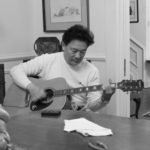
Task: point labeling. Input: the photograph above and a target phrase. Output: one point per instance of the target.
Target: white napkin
(86, 127)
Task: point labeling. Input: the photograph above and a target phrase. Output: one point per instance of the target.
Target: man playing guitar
(70, 65)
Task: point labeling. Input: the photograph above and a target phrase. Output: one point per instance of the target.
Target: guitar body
(54, 85)
(17, 97)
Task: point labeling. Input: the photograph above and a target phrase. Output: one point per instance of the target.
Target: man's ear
(62, 45)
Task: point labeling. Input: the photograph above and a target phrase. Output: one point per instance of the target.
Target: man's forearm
(19, 76)
(99, 103)
(96, 105)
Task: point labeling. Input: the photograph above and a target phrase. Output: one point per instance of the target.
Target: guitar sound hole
(49, 93)
(43, 102)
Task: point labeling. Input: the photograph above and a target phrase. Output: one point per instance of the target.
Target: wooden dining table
(31, 131)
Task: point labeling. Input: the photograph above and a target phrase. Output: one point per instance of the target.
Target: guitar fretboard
(125, 85)
(78, 90)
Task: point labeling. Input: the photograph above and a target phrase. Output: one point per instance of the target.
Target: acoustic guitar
(57, 90)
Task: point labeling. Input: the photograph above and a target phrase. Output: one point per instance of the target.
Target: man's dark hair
(78, 32)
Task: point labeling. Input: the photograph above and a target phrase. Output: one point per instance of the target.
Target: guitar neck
(125, 85)
(78, 90)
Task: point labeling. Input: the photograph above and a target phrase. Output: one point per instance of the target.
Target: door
(136, 73)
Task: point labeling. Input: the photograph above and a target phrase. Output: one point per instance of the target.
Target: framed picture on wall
(58, 15)
(134, 12)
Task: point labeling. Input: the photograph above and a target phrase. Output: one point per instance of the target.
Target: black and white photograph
(134, 12)
(58, 15)
(74, 74)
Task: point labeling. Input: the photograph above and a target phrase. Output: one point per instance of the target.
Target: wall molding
(23, 56)
(137, 43)
(16, 57)
(101, 58)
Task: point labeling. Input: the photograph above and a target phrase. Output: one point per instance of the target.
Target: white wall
(15, 27)
(22, 22)
(38, 22)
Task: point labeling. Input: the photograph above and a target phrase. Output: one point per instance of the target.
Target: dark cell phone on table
(50, 112)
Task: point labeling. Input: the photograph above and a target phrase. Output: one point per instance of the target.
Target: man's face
(74, 52)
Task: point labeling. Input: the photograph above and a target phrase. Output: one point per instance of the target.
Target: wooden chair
(136, 97)
(2, 83)
(47, 45)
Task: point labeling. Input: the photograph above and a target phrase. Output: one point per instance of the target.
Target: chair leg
(2, 83)
(138, 103)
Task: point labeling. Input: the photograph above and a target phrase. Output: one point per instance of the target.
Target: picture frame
(134, 12)
(58, 15)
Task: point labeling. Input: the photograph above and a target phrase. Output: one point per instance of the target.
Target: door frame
(123, 55)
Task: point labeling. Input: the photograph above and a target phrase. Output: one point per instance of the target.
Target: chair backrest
(47, 45)
(2, 83)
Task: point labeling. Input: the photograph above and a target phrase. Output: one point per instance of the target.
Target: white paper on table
(86, 127)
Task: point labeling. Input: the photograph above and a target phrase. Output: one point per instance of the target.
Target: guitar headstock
(130, 85)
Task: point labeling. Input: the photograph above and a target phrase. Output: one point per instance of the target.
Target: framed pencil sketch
(134, 12)
(58, 15)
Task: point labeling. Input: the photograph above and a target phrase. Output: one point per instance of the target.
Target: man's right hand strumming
(36, 93)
